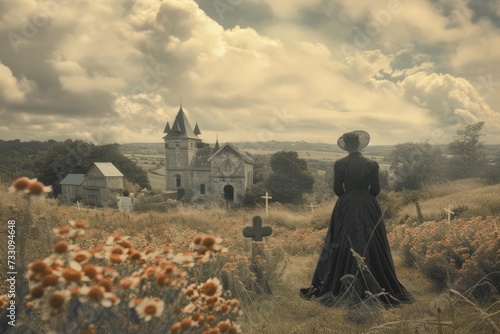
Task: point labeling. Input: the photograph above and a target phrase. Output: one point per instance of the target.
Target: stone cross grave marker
(256, 232)
(449, 213)
(267, 197)
(312, 207)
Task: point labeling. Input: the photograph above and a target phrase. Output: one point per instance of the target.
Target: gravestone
(267, 197)
(448, 210)
(257, 232)
(312, 206)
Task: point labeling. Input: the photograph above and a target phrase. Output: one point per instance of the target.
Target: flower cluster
(205, 309)
(150, 282)
(33, 187)
(459, 254)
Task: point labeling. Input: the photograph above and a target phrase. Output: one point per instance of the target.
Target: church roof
(73, 179)
(200, 159)
(232, 147)
(108, 169)
(181, 127)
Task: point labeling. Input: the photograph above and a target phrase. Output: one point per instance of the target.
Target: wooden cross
(312, 207)
(78, 205)
(449, 213)
(256, 231)
(267, 197)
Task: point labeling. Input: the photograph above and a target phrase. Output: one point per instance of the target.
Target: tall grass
(478, 201)
(292, 251)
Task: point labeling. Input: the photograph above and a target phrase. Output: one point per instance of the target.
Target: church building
(197, 171)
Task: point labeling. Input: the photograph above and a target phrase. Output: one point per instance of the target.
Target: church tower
(181, 144)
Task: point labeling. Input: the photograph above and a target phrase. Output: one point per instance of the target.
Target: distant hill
(269, 147)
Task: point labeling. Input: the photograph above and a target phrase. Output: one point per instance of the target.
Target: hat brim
(364, 140)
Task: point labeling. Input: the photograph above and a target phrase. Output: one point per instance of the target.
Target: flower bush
(464, 254)
(118, 287)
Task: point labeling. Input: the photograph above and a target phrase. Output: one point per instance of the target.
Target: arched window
(202, 189)
(178, 181)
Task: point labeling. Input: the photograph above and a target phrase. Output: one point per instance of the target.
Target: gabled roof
(181, 127)
(108, 169)
(73, 179)
(232, 147)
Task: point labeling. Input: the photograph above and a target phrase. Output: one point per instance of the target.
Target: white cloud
(363, 66)
(453, 101)
(131, 61)
(12, 89)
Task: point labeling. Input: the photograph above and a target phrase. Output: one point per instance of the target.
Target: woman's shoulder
(343, 164)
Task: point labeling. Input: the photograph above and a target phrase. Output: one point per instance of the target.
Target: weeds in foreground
(117, 287)
(446, 312)
(456, 255)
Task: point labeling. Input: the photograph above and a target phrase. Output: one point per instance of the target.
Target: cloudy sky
(249, 70)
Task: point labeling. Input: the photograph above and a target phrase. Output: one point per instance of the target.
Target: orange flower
(106, 283)
(224, 326)
(72, 275)
(212, 287)
(185, 324)
(82, 257)
(61, 247)
(50, 280)
(37, 188)
(135, 256)
(91, 271)
(79, 223)
(37, 292)
(96, 293)
(149, 308)
(129, 283)
(21, 184)
(38, 267)
(56, 300)
(175, 328)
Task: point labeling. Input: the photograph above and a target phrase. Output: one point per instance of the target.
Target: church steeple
(167, 128)
(216, 148)
(181, 127)
(197, 130)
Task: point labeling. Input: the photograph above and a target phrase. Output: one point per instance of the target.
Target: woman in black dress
(356, 263)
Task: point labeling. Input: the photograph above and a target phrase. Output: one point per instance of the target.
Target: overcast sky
(249, 70)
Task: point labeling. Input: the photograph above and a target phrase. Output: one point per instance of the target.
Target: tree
(323, 187)
(290, 178)
(468, 157)
(415, 164)
(63, 158)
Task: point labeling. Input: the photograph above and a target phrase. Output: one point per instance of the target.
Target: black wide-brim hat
(354, 141)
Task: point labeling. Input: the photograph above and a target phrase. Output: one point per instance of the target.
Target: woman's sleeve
(374, 182)
(338, 183)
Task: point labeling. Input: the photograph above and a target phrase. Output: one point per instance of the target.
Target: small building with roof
(197, 171)
(71, 187)
(99, 186)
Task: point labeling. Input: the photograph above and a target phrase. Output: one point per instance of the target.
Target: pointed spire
(180, 103)
(197, 130)
(216, 148)
(181, 127)
(167, 128)
(176, 127)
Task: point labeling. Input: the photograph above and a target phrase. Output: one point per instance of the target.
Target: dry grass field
(292, 251)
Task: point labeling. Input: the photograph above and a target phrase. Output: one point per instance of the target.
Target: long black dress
(356, 263)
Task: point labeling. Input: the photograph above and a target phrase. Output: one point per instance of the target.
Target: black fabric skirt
(355, 262)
